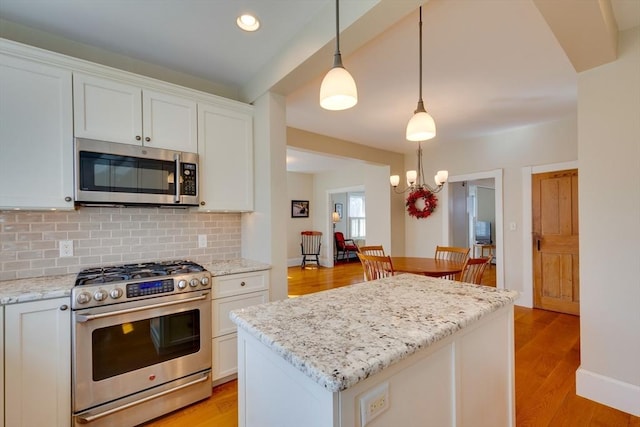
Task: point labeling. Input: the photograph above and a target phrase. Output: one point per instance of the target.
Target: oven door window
(123, 348)
(122, 174)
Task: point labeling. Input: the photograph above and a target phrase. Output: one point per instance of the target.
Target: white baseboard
(608, 391)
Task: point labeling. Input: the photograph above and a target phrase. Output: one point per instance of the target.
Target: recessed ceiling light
(248, 22)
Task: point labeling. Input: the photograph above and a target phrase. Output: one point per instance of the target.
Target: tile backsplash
(29, 241)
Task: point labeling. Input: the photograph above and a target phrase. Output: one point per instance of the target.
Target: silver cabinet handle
(147, 139)
(82, 318)
(67, 199)
(90, 418)
(138, 137)
(64, 307)
(242, 283)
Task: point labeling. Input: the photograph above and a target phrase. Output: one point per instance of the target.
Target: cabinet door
(170, 122)
(226, 159)
(107, 110)
(38, 363)
(221, 308)
(36, 135)
(225, 356)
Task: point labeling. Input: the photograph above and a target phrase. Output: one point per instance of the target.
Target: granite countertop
(36, 288)
(342, 336)
(47, 287)
(236, 266)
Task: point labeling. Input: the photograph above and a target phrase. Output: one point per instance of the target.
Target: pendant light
(421, 127)
(338, 89)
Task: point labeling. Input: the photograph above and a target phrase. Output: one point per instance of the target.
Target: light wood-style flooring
(547, 350)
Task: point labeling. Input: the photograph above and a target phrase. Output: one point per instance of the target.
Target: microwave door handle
(178, 175)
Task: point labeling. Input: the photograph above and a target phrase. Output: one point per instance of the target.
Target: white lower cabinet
(37, 363)
(232, 292)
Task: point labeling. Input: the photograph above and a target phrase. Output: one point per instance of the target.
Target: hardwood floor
(547, 350)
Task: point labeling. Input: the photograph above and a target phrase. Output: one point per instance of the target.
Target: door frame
(526, 297)
(496, 174)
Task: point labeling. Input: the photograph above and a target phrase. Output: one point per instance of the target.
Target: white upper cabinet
(114, 111)
(107, 110)
(226, 158)
(36, 135)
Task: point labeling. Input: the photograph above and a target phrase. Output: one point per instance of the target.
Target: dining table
(426, 266)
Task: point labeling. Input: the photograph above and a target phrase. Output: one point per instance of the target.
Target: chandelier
(415, 178)
(420, 128)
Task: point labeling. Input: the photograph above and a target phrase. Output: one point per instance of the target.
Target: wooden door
(555, 241)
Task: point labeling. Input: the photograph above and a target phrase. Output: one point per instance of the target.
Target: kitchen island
(407, 350)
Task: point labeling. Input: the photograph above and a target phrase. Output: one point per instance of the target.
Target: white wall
(609, 146)
(545, 143)
(375, 180)
(299, 187)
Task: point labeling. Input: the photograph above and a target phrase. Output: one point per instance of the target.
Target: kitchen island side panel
(465, 379)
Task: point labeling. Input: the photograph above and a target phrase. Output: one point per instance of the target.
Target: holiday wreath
(429, 199)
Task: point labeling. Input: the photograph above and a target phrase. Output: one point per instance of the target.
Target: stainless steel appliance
(141, 341)
(112, 174)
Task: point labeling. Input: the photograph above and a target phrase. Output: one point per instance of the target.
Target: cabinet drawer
(235, 284)
(222, 307)
(224, 352)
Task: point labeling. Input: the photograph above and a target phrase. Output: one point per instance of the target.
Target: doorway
(460, 214)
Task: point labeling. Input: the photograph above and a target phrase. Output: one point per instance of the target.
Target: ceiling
(488, 65)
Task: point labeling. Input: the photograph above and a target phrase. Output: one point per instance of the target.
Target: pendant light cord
(420, 55)
(337, 57)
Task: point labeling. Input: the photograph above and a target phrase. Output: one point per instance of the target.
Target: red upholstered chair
(344, 245)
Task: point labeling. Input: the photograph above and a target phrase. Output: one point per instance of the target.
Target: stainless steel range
(141, 341)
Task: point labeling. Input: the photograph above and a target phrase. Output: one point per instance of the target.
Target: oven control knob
(83, 297)
(204, 281)
(115, 293)
(194, 282)
(100, 295)
(182, 284)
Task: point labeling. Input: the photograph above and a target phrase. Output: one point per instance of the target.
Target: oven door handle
(82, 318)
(90, 418)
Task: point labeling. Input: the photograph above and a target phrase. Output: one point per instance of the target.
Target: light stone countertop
(342, 336)
(36, 288)
(236, 266)
(47, 287)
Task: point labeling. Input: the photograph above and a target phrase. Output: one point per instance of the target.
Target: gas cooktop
(126, 272)
(132, 282)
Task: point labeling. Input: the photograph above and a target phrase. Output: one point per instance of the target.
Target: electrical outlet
(202, 240)
(373, 403)
(66, 248)
(513, 226)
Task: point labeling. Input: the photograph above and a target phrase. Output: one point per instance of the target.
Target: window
(357, 216)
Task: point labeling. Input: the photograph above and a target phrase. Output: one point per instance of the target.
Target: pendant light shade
(338, 89)
(421, 126)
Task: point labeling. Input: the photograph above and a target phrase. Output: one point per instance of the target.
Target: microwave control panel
(189, 187)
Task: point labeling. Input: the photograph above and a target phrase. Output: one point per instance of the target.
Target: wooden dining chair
(474, 269)
(452, 253)
(376, 267)
(310, 246)
(376, 250)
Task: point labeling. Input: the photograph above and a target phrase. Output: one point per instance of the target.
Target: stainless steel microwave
(113, 174)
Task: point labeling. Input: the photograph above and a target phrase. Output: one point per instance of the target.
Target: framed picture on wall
(338, 208)
(299, 209)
